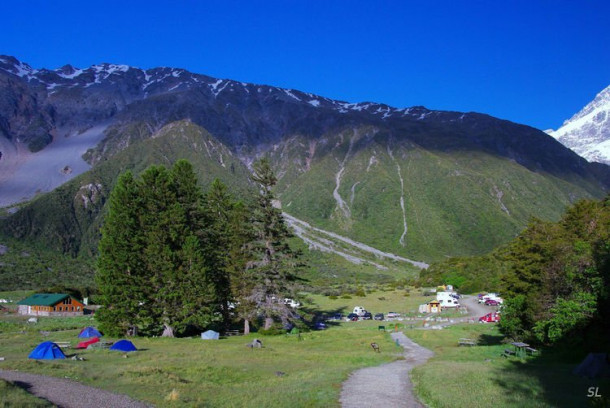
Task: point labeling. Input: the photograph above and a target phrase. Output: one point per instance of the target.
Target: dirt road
(67, 393)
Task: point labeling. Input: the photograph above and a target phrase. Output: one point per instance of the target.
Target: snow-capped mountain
(413, 181)
(588, 132)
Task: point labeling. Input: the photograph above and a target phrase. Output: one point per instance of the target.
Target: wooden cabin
(50, 304)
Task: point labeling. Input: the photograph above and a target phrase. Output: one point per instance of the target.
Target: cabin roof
(43, 299)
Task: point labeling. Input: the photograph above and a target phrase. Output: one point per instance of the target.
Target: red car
(491, 302)
(490, 318)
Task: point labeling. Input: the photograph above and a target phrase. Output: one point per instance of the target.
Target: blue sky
(535, 62)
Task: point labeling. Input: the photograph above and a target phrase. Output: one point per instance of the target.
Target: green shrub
(272, 331)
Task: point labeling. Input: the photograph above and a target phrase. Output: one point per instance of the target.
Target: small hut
(434, 306)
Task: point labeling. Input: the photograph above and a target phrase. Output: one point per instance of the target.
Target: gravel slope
(67, 393)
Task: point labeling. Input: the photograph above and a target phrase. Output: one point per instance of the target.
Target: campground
(305, 371)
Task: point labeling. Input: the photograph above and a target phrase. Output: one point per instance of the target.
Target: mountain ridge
(414, 182)
(587, 132)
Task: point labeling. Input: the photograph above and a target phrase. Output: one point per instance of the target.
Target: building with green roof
(50, 304)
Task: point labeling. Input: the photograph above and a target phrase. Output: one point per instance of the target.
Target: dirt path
(387, 385)
(67, 393)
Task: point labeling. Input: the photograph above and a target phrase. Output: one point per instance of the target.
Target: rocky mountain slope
(588, 132)
(419, 183)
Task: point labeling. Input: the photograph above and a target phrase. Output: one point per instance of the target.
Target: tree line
(173, 258)
(555, 277)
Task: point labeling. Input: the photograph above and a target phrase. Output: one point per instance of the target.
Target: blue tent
(89, 332)
(210, 335)
(123, 345)
(47, 351)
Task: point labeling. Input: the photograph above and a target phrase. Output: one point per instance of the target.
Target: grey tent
(210, 335)
(595, 365)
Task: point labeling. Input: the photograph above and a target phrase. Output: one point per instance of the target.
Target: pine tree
(120, 277)
(157, 258)
(274, 262)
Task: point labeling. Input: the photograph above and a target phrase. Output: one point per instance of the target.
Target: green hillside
(63, 225)
(456, 202)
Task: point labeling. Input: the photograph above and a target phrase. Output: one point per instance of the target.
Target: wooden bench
(62, 344)
(531, 350)
(466, 342)
(381, 328)
(230, 333)
(508, 353)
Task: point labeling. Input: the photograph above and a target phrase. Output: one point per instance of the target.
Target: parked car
(378, 316)
(367, 316)
(393, 315)
(491, 302)
(490, 318)
(352, 317)
(337, 316)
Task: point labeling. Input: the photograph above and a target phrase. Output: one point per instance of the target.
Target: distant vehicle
(393, 315)
(490, 318)
(320, 326)
(352, 317)
(367, 316)
(378, 316)
(491, 302)
(490, 296)
(337, 316)
(359, 310)
(447, 299)
(292, 303)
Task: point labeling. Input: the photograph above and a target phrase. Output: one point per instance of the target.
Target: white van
(359, 310)
(447, 299)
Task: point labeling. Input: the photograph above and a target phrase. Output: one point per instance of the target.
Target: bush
(272, 331)
(332, 297)
(360, 292)
(346, 296)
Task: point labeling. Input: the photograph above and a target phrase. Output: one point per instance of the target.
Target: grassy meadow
(305, 372)
(479, 376)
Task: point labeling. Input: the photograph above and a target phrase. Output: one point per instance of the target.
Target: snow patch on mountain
(588, 132)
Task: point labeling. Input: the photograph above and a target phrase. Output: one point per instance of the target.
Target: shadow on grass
(546, 379)
(490, 340)
(312, 317)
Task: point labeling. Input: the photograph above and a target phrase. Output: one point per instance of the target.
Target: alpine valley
(368, 183)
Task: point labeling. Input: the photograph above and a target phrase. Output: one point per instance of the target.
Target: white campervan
(447, 299)
(359, 310)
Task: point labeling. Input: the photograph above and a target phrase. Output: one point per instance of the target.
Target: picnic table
(466, 342)
(520, 348)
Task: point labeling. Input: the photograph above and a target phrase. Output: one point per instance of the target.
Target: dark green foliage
(26, 265)
(68, 219)
(272, 268)
(558, 279)
(468, 275)
(153, 269)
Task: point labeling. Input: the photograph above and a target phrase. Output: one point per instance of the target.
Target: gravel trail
(387, 385)
(68, 393)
